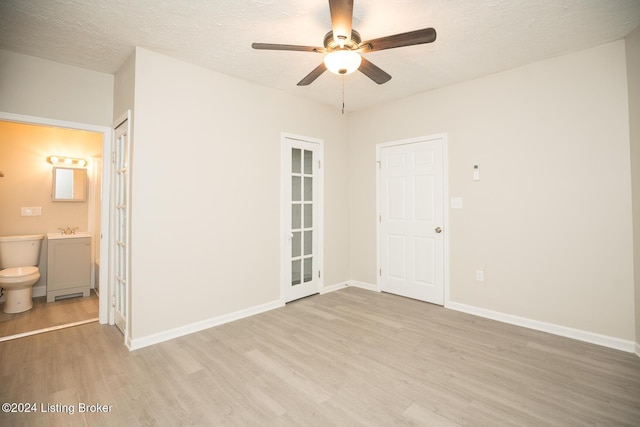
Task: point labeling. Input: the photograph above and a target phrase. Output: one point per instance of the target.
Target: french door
(410, 219)
(301, 217)
(119, 241)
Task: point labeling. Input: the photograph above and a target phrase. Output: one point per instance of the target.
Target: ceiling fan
(343, 46)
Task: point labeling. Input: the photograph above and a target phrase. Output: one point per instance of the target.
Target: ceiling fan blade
(309, 78)
(426, 35)
(274, 46)
(373, 72)
(341, 18)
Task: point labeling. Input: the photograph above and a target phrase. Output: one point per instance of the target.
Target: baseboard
(139, 343)
(577, 334)
(39, 291)
(637, 351)
(333, 288)
(352, 283)
(363, 285)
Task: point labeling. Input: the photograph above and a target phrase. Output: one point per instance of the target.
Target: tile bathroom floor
(45, 315)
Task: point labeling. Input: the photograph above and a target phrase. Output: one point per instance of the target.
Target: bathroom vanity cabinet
(68, 265)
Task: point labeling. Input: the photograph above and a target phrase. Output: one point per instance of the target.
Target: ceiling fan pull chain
(343, 94)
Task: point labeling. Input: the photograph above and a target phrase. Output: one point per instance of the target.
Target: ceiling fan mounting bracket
(349, 44)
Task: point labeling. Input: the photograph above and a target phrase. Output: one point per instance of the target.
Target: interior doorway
(96, 198)
(411, 218)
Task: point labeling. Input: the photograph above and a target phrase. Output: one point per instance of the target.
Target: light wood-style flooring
(347, 358)
(43, 315)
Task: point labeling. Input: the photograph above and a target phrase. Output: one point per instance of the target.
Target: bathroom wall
(27, 181)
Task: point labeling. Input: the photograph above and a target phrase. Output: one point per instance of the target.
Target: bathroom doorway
(96, 221)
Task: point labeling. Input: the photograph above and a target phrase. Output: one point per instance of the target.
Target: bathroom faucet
(68, 230)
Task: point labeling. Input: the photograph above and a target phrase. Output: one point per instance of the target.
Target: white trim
(350, 283)
(49, 329)
(103, 308)
(564, 331)
(333, 288)
(93, 196)
(364, 285)
(445, 204)
(445, 214)
(20, 118)
(139, 343)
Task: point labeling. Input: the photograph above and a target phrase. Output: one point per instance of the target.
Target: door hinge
(379, 218)
(318, 274)
(379, 164)
(319, 164)
(380, 272)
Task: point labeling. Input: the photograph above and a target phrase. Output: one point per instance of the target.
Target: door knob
(438, 230)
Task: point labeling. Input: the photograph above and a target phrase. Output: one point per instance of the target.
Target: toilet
(19, 271)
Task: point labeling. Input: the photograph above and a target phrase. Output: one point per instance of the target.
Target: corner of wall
(632, 46)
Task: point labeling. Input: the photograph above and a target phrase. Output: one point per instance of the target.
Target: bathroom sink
(52, 236)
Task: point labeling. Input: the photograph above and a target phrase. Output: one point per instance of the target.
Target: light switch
(456, 203)
(33, 211)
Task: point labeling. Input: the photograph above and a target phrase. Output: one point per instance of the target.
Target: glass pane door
(301, 216)
(119, 238)
(301, 219)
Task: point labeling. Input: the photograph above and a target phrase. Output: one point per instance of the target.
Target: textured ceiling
(475, 37)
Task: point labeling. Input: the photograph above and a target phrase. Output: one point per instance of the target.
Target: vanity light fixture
(67, 161)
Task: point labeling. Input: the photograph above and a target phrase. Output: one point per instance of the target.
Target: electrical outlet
(480, 275)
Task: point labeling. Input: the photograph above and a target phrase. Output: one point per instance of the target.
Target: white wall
(633, 75)
(206, 192)
(42, 88)
(124, 87)
(550, 220)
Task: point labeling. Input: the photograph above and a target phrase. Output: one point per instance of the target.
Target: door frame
(285, 211)
(445, 207)
(103, 307)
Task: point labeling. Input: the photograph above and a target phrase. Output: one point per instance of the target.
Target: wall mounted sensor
(476, 172)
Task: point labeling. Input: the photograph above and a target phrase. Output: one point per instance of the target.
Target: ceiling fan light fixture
(342, 62)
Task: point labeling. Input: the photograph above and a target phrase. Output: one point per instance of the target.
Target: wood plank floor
(351, 357)
(46, 315)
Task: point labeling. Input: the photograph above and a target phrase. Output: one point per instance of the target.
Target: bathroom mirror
(69, 184)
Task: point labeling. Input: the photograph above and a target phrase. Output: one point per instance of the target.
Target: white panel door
(301, 217)
(411, 214)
